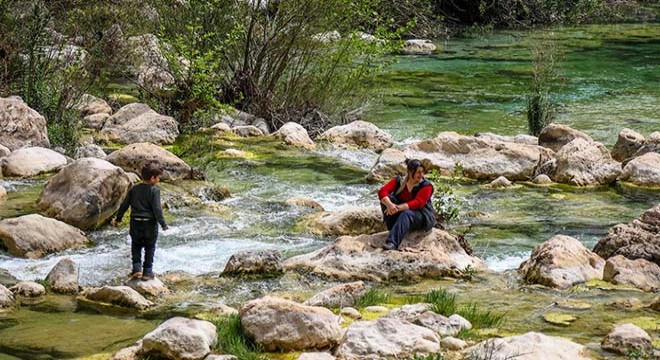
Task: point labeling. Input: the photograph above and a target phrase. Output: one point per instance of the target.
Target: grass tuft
(373, 297)
(444, 303)
(232, 340)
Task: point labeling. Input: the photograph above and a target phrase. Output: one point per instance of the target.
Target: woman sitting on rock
(406, 204)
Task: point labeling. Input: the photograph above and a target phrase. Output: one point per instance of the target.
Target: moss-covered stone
(559, 318)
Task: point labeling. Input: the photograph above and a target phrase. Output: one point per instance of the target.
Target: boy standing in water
(146, 214)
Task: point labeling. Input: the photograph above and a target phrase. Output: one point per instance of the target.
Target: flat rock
(138, 123)
(360, 134)
(386, 338)
(122, 296)
(20, 125)
(85, 194)
(153, 287)
(453, 344)
(339, 296)
(562, 319)
(28, 289)
(530, 346)
(181, 338)
(31, 161)
(562, 262)
(134, 157)
(625, 338)
(376, 309)
(34, 236)
(352, 313)
(349, 221)
(294, 134)
(555, 136)
(643, 170)
(584, 163)
(518, 139)
(425, 255)
(639, 273)
(63, 277)
(263, 262)
(247, 131)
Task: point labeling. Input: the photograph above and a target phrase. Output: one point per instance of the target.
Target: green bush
(545, 78)
(232, 340)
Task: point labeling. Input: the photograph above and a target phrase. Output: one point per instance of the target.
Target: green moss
(559, 318)
(647, 323)
(123, 99)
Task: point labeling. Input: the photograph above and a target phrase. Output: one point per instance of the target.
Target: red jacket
(417, 203)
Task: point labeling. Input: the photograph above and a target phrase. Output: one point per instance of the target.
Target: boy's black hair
(150, 170)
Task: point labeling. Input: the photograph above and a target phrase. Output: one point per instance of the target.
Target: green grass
(373, 297)
(444, 303)
(232, 340)
(428, 357)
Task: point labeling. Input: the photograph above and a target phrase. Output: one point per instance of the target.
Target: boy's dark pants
(143, 235)
(400, 223)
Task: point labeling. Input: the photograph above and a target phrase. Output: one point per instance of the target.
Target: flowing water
(610, 81)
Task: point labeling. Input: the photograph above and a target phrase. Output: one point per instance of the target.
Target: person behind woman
(406, 204)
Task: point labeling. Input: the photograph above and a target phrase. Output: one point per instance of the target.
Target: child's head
(151, 174)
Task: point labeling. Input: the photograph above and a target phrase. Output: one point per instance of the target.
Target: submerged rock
(20, 125)
(181, 338)
(500, 183)
(639, 239)
(530, 346)
(386, 338)
(359, 134)
(583, 163)
(63, 277)
(134, 157)
(625, 338)
(555, 136)
(627, 144)
(264, 262)
(294, 134)
(643, 170)
(137, 123)
(34, 236)
(28, 289)
(32, 161)
(418, 46)
(303, 201)
(278, 324)
(542, 179)
(639, 273)
(431, 254)
(339, 296)
(562, 262)
(349, 221)
(6, 298)
(122, 296)
(85, 193)
(128, 353)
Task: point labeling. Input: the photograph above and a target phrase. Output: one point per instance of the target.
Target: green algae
(648, 323)
(23, 201)
(559, 318)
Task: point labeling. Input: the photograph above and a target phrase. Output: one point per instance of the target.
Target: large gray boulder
(339, 296)
(626, 338)
(639, 239)
(181, 338)
(89, 150)
(122, 296)
(562, 262)
(278, 324)
(90, 105)
(643, 170)
(627, 144)
(424, 255)
(85, 193)
(34, 236)
(6, 298)
(359, 134)
(386, 338)
(20, 125)
(6, 278)
(134, 157)
(294, 134)
(584, 163)
(31, 161)
(63, 277)
(136, 123)
(555, 136)
(349, 221)
(264, 262)
(639, 273)
(530, 346)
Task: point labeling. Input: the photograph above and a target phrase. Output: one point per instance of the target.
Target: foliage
(373, 297)
(444, 303)
(232, 340)
(540, 107)
(445, 203)
(437, 356)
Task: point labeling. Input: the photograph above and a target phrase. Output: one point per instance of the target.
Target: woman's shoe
(389, 246)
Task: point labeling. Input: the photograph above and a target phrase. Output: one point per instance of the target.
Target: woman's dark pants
(143, 235)
(400, 223)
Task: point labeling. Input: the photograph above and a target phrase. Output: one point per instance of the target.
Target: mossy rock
(647, 323)
(573, 305)
(559, 318)
(604, 285)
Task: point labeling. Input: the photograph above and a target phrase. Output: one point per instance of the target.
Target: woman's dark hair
(150, 170)
(413, 164)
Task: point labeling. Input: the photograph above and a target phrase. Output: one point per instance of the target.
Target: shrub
(540, 107)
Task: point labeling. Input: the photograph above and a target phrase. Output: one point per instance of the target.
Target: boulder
(220, 128)
(500, 183)
(410, 312)
(453, 344)
(278, 324)
(339, 296)
(625, 338)
(530, 346)
(359, 134)
(386, 338)
(643, 170)
(4, 151)
(34, 236)
(31, 161)
(639, 273)
(639, 239)
(562, 262)
(418, 46)
(651, 144)
(264, 262)
(95, 121)
(63, 277)
(122, 296)
(315, 356)
(480, 158)
(222, 309)
(627, 144)
(89, 151)
(7, 279)
(424, 255)
(85, 194)
(6, 298)
(442, 325)
(376, 309)
(390, 163)
(352, 313)
(518, 139)
(349, 221)
(181, 338)
(240, 118)
(90, 105)
(134, 157)
(247, 131)
(153, 287)
(294, 134)
(584, 163)
(542, 179)
(555, 136)
(20, 125)
(129, 353)
(304, 201)
(137, 123)
(28, 289)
